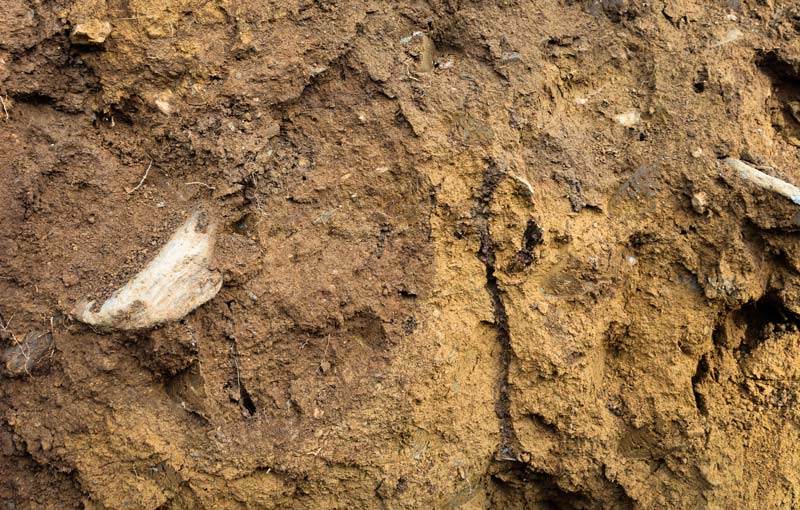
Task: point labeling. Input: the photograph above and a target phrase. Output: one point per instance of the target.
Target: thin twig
(409, 75)
(143, 178)
(201, 184)
(4, 107)
(236, 364)
(6, 323)
(27, 356)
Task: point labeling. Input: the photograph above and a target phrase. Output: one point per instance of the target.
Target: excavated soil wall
(474, 254)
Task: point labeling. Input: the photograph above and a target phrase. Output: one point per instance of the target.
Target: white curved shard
(170, 286)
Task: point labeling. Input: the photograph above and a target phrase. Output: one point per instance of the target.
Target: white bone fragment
(170, 286)
(765, 181)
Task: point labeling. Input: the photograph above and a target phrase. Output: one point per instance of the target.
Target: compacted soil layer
(475, 254)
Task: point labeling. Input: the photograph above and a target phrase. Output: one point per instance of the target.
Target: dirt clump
(473, 254)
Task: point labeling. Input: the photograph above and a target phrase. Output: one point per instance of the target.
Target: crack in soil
(244, 399)
(492, 176)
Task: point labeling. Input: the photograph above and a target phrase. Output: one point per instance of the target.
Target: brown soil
(452, 279)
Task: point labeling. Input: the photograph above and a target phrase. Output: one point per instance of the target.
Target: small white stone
(164, 107)
(700, 202)
(162, 102)
(628, 119)
(91, 32)
(729, 37)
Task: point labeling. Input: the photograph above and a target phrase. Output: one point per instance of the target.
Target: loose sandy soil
(475, 254)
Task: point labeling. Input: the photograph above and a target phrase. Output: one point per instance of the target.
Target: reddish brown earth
(452, 278)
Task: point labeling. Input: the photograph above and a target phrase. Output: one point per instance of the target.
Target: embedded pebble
(25, 357)
(628, 119)
(700, 202)
(92, 32)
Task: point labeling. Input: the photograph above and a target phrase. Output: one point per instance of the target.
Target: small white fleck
(729, 37)
(163, 106)
(628, 119)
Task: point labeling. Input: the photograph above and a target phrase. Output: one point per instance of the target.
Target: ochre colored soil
(476, 254)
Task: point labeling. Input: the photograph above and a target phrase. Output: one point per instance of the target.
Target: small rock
(700, 202)
(324, 217)
(24, 357)
(163, 106)
(729, 37)
(273, 130)
(162, 102)
(325, 367)
(70, 279)
(618, 9)
(794, 109)
(628, 119)
(407, 39)
(444, 64)
(525, 186)
(93, 32)
(698, 152)
(510, 57)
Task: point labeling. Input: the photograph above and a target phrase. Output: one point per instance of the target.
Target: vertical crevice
(492, 176)
(242, 396)
(699, 376)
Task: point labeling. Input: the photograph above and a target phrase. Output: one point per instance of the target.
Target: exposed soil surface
(475, 254)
